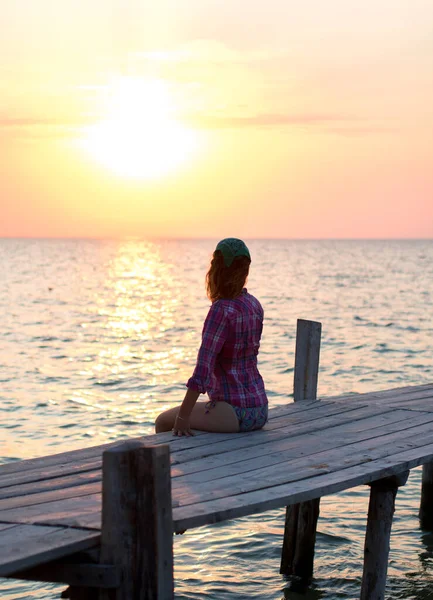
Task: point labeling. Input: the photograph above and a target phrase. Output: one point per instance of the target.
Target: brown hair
(226, 282)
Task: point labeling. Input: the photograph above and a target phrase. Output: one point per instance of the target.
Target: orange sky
(289, 119)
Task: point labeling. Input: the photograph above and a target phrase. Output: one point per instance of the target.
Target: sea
(98, 337)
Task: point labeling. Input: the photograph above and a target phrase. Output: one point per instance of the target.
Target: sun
(139, 136)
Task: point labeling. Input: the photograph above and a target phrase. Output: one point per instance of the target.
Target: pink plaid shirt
(227, 360)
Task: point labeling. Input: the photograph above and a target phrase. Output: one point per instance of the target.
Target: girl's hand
(181, 427)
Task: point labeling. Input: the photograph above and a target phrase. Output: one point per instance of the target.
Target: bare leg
(221, 418)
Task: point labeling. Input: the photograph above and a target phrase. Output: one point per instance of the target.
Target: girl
(226, 366)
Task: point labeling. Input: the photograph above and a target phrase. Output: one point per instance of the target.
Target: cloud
(346, 125)
(267, 120)
(36, 128)
(39, 122)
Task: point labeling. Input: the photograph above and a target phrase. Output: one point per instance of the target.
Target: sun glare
(139, 136)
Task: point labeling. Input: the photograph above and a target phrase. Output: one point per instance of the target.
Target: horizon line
(130, 238)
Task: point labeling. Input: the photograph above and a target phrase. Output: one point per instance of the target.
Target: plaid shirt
(227, 360)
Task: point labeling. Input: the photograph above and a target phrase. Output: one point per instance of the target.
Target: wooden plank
(4, 526)
(52, 472)
(74, 456)
(229, 463)
(425, 405)
(410, 390)
(59, 483)
(38, 490)
(51, 484)
(215, 442)
(308, 468)
(50, 496)
(26, 546)
(76, 574)
(95, 452)
(45, 470)
(50, 512)
(322, 409)
(195, 515)
(43, 493)
(197, 465)
(249, 440)
(291, 449)
(407, 399)
(330, 455)
(89, 458)
(239, 442)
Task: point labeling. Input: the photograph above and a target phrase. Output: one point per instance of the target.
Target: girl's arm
(215, 331)
(181, 424)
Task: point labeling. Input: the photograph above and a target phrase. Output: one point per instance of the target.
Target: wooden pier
(102, 519)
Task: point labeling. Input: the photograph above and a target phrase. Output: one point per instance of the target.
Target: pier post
(426, 508)
(377, 537)
(297, 556)
(137, 526)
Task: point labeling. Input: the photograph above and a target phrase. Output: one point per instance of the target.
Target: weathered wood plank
(265, 436)
(330, 454)
(84, 490)
(51, 472)
(259, 450)
(75, 574)
(37, 480)
(410, 390)
(214, 511)
(71, 461)
(50, 496)
(54, 477)
(313, 466)
(4, 526)
(425, 405)
(45, 471)
(421, 398)
(50, 512)
(289, 450)
(269, 438)
(51, 484)
(26, 546)
(260, 456)
(285, 450)
(94, 452)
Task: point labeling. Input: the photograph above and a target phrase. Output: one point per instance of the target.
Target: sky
(202, 118)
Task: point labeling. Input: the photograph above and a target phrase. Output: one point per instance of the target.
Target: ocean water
(98, 337)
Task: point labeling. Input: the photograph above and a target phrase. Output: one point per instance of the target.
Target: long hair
(226, 282)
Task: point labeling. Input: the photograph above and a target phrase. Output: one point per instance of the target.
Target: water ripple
(98, 337)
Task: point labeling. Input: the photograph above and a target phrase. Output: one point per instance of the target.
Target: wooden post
(80, 593)
(297, 556)
(426, 508)
(137, 525)
(376, 549)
